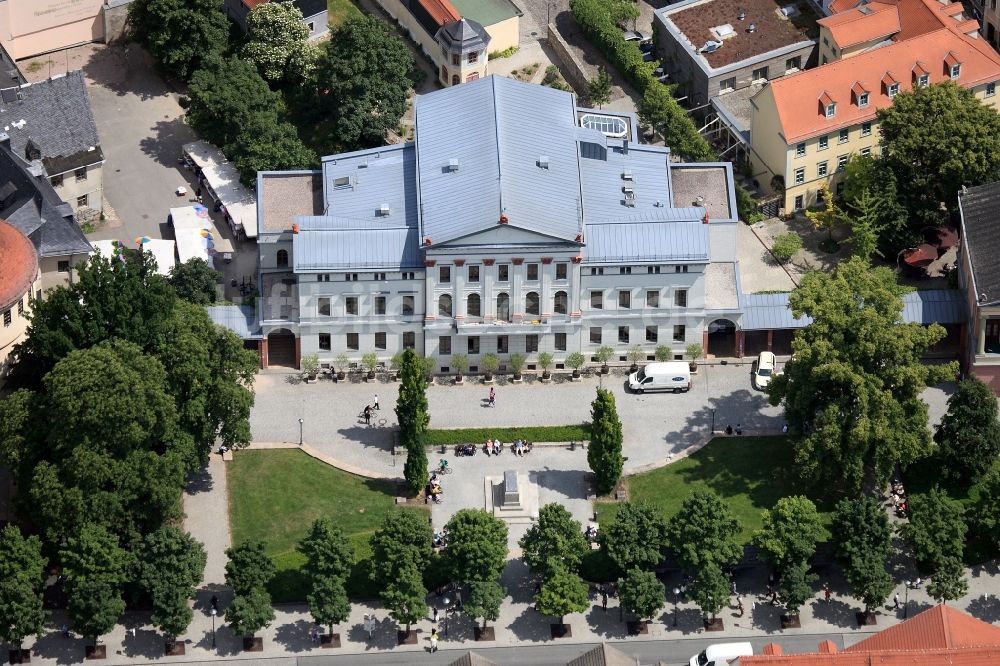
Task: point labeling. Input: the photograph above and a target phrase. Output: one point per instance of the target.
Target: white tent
(194, 232)
(222, 180)
(162, 250)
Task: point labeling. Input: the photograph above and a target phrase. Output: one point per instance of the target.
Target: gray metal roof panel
(497, 129)
(646, 241)
(332, 249)
(240, 319)
(603, 184)
(379, 176)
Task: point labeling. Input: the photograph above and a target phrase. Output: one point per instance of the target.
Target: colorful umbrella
(205, 233)
(142, 240)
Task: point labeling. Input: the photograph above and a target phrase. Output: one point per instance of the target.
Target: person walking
(895, 601)
(739, 605)
(827, 592)
(604, 599)
(434, 615)
(376, 403)
(368, 415)
(369, 625)
(493, 397)
(434, 640)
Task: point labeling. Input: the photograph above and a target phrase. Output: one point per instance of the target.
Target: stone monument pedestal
(512, 497)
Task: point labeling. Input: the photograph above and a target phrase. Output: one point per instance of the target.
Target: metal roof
(357, 184)
(644, 171)
(646, 241)
(333, 249)
(240, 319)
(762, 312)
(479, 148)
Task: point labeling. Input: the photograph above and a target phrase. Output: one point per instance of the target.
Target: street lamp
(906, 597)
(677, 594)
(712, 431)
(300, 431)
(214, 613)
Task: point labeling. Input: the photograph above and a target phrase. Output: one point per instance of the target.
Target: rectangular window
(625, 270)
(407, 275)
(595, 335)
(923, 80)
(6, 317)
(759, 74)
(83, 200)
(652, 334)
(502, 344)
(456, 59)
(409, 340)
(866, 152)
(680, 332)
(473, 273)
(597, 300)
(956, 71)
(407, 305)
(503, 273)
(352, 341)
(597, 271)
(863, 100)
(20, 307)
(351, 277)
(380, 305)
(727, 85)
(653, 270)
(560, 342)
(444, 344)
(473, 345)
(562, 271)
(324, 307)
(793, 63)
(800, 150)
(444, 274)
(623, 334)
(799, 202)
(821, 169)
(893, 90)
(81, 173)
(681, 269)
(652, 299)
(56, 181)
(842, 162)
(831, 110)
(351, 305)
(63, 267)
(681, 298)
(866, 129)
(380, 340)
(625, 299)
(324, 342)
(824, 142)
(532, 271)
(473, 57)
(531, 344)
(991, 89)
(800, 175)
(845, 135)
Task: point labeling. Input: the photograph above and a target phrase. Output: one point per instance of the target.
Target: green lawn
(275, 496)
(750, 473)
(341, 10)
(568, 433)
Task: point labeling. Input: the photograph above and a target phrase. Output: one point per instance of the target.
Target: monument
(512, 497)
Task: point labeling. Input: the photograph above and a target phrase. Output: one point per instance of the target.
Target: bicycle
(443, 469)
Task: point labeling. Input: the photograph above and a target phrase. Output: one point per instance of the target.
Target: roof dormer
(952, 66)
(890, 85)
(921, 77)
(827, 105)
(859, 95)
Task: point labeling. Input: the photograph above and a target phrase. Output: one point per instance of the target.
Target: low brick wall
(574, 71)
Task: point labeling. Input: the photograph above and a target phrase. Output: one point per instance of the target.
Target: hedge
(566, 433)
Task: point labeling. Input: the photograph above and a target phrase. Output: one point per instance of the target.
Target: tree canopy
(170, 565)
(853, 387)
(789, 532)
(936, 529)
(278, 43)
(405, 597)
(195, 281)
(863, 537)
(413, 417)
(180, 33)
(704, 533)
(635, 538)
(249, 567)
(949, 582)
(555, 539)
(477, 546)
(21, 573)
(968, 436)
(599, 88)
(484, 601)
(250, 612)
(328, 602)
(328, 553)
(641, 593)
(871, 205)
(604, 455)
(404, 536)
(562, 593)
(985, 516)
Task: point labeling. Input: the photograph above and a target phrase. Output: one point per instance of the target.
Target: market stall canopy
(222, 180)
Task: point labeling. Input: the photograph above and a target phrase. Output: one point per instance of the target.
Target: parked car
(646, 45)
(764, 370)
(649, 56)
(636, 36)
(722, 654)
(665, 376)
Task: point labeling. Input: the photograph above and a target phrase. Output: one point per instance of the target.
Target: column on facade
(486, 274)
(458, 281)
(981, 345)
(430, 304)
(516, 297)
(548, 274)
(575, 285)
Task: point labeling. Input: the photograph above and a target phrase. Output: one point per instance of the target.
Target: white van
(722, 654)
(670, 376)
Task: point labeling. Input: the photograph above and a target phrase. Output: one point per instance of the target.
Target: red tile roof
(796, 95)
(18, 265)
(939, 627)
(254, 4)
(863, 24)
(442, 11)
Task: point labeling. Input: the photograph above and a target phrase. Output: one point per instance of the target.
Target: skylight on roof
(609, 126)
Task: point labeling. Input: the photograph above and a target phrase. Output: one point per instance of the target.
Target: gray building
(516, 222)
(314, 14)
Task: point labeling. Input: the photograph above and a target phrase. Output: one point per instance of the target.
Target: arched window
(455, 79)
(531, 303)
(472, 77)
(473, 306)
(282, 258)
(503, 307)
(444, 305)
(561, 305)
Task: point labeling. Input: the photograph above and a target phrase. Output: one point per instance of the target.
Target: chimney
(772, 649)
(828, 647)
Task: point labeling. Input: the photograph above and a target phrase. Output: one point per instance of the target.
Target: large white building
(515, 222)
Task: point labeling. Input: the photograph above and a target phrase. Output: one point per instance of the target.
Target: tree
(94, 554)
(170, 565)
(868, 578)
(789, 533)
(263, 145)
(936, 139)
(599, 88)
(635, 538)
(871, 202)
(477, 546)
(17, 413)
(562, 593)
(195, 281)
(827, 218)
(95, 604)
(554, 540)
(171, 613)
(328, 601)
(795, 586)
(179, 33)
(328, 553)
(604, 455)
(249, 568)
(785, 246)
(711, 590)
(21, 557)
(641, 593)
(403, 537)
(968, 436)
(278, 43)
(863, 537)
(853, 387)
(660, 110)
(936, 529)
(405, 596)
(21, 574)
(250, 612)
(985, 516)
(484, 601)
(413, 418)
(949, 581)
(704, 533)
(364, 74)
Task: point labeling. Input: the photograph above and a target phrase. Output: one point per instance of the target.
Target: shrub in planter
(491, 362)
(341, 362)
(310, 366)
(461, 364)
(370, 362)
(396, 364)
(516, 363)
(635, 354)
(785, 247)
(575, 361)
(604, 354)
(545, 362)
(663, 353)
(428, 363)
(694, 352)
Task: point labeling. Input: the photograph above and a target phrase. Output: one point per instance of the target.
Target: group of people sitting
(433, 489)
(441, 538)
(591, 532)
(898, 494)
(495, 447)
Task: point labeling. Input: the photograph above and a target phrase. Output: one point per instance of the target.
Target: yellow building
(805, 127)
(19, 281)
